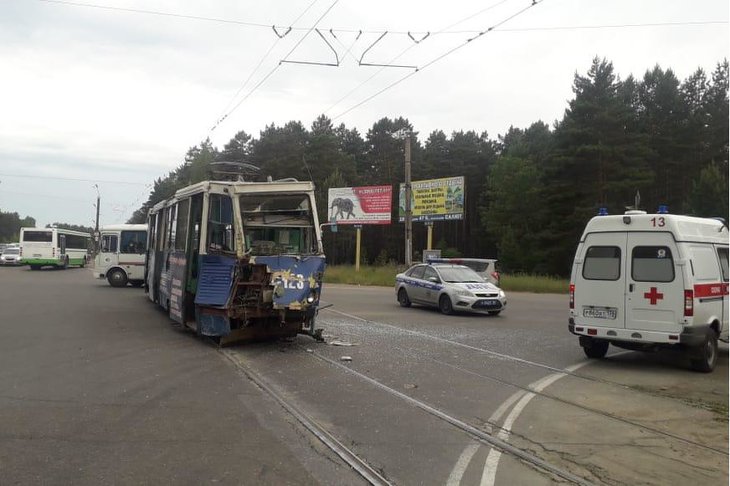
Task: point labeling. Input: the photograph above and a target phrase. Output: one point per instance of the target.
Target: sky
(100, 93)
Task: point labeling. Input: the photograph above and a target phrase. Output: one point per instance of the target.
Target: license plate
(600, 312)
(488, 303)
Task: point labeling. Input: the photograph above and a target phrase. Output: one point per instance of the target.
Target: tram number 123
(294, 283)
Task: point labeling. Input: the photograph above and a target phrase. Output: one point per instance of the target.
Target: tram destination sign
(434, 200)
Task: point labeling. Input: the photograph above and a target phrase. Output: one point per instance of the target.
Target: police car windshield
(459, 274)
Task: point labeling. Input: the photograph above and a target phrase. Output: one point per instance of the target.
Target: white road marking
(490, 466)
(462, 464)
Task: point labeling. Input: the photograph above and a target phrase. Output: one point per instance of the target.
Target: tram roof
(238, 187)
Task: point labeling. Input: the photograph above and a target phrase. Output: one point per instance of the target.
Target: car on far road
(449, 287)
(11, 256)
(485, 267)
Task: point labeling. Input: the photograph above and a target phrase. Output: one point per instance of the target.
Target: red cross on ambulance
(653, 296)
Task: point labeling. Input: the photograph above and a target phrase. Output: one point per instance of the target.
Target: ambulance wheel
(445, 305)
(704, 357)
(595, 348)
(403, 299)
(117, 278)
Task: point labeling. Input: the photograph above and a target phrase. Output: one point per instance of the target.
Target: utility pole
(409, 214)
(96, 223)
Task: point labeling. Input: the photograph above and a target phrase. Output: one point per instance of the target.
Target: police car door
(432, 288)
(655, 283)
(600, 281)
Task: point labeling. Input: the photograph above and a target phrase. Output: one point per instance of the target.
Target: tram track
(477, 434)
(359, 465)
(529, 389)
(362, 468)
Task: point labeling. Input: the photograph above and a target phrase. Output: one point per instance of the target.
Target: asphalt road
(98, 387)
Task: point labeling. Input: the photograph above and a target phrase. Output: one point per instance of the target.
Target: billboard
(434, 200)
(360, 205)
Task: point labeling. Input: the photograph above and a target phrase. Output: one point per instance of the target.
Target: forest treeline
(530, 191)
(10, 224)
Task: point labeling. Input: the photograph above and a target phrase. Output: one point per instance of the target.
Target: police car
(449, 287)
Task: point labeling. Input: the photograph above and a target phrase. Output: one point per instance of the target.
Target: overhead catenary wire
(440, 57)
(267, 26)
(404, 51)
(28, 176)
(279, 37)
(278, 65)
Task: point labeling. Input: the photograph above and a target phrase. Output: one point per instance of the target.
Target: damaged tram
(237, 261)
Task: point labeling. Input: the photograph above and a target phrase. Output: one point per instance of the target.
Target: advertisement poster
(360, 205)
(434, 200)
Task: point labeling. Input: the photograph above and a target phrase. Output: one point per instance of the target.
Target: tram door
(193, 247)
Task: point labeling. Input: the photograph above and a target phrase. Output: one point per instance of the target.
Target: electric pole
(96, 223)
(409, 215)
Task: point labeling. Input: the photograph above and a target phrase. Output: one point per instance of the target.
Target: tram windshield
(278, 224)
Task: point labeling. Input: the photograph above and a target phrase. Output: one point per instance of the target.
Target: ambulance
(645, 281)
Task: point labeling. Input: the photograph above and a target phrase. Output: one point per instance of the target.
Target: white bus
(40, 247)
(122, 253)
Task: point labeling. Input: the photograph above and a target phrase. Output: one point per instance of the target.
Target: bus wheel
(117, 278)
(705, 356)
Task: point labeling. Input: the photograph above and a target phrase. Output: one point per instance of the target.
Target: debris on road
(337, 342)
(345, 358)
(410, 386)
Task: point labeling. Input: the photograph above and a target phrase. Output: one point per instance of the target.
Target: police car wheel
(705, 355)
(403, 299)
(596, 349)
(445, 305)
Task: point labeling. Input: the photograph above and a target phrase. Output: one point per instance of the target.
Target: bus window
(133, 242)
(108, 243)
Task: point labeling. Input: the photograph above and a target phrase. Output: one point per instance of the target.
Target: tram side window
(172, 226)
(220, 223)
(109, 243)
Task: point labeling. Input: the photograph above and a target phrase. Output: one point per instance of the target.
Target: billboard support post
(358, 229)
(429, 235)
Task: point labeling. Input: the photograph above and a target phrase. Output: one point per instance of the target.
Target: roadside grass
(384, 276)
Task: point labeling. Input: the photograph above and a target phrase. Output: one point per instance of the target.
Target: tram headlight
(312, 297)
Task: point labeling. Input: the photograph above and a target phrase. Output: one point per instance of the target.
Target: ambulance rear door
(600, 281)
(655, 283)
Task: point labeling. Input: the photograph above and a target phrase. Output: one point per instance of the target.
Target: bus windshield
(278, 224)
